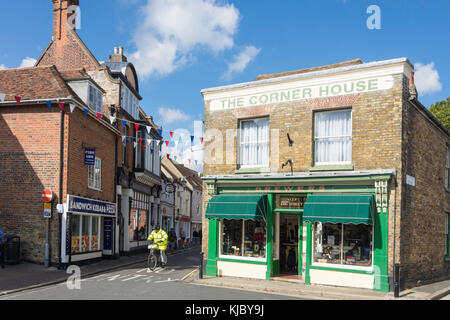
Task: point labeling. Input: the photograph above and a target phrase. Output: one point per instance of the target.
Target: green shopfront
(328, 228)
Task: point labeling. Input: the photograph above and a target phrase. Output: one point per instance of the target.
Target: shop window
(138, 225)
(95, 175)
(254, 143)
(333, 137)
(85, 233)
(344, 244)
(243, 238)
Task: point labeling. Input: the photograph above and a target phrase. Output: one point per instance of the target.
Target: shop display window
(243, 238)
(85, 232)
(345, 244)
(138, 225)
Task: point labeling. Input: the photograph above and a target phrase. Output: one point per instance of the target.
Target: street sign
(89, 156)
(47, 210)
(170, 188)
(47, 195)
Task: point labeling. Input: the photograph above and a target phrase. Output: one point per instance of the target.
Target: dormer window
(95, 99)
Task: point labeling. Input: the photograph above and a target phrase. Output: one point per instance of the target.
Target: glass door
(289, 244)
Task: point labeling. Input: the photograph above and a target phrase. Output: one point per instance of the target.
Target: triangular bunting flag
(124, 123)
(189, 161)
(140, 140)
(175, 158)
(2, 97)
(85, 111)
(192, 139)
(123, 138)
(135, 144)
(201, 139)
(49, 105)
(136, 126)
(149, 142)
(168, 156)
(195, 162)
(118, 137)
(167, 143)
(72, 107)
(160, 132)
(112, 119)
(131, 139)
(61, 105)
(18, 100)
(143, 147)
(151, 151)
(157, 142)
(148, 129)
(171, 134)
(99, 116)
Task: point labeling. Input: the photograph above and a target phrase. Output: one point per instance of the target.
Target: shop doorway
(289, 248)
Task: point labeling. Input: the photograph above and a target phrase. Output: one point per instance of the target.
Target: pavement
(26, 276)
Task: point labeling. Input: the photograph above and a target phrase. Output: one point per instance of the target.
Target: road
(138, 283)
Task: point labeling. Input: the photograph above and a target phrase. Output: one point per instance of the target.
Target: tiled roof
(188, 172)
(74, 74)
(34, 83)
(288, 73)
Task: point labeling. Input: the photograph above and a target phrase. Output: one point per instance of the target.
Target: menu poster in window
(107, 235)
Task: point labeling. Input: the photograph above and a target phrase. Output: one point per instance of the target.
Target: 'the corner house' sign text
(303, 93)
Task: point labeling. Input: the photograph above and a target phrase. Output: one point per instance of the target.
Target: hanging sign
(89, 156)
(170, 188)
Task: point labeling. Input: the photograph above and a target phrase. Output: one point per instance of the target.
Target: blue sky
(208, 43)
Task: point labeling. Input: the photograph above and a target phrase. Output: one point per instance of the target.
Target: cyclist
(159, 237)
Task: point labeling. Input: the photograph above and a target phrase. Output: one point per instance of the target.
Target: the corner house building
(329, 175)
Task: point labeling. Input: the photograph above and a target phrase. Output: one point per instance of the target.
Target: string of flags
(144, 143)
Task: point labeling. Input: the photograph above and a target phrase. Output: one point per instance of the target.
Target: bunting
(61, 105)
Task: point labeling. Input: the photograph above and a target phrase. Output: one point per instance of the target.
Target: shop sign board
(290, 202)
(170, 188)
(90, 206)
(297, 92)
(89, 157)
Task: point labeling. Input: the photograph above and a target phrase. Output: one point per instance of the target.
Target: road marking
(142, 270)
(135, 277)
(168, 280)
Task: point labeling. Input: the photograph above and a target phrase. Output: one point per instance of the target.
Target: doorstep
(289, 278)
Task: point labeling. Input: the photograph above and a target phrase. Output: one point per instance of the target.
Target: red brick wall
(29, 163)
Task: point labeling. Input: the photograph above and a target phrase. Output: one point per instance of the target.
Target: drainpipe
(61, 180)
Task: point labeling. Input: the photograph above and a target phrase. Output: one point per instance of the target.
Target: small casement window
(254, 143)
(333, 137)
(95, 175)
(447, 171)
(95, 99)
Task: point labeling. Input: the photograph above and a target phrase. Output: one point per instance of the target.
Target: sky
(182, 46)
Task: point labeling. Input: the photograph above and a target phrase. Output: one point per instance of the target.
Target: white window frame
(258, 166)
(96, 181)
(222, 256)
(341, 265)
(96, 104)
(316, 163)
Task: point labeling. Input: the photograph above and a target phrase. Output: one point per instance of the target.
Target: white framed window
(95, 175)
(333, 137)
(95, 99)
(254, 143)
(130, 102)
(243, 239)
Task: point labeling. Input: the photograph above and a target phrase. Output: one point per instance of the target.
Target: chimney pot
(116, 50)
(120, 50)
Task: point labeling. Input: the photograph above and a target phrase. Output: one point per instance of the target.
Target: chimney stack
(64, 17)
(118, 55)
(412, 87)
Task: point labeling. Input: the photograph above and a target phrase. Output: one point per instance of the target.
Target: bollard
(201, 265)
(396, 280)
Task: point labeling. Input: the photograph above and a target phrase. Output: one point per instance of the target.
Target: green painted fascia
(267, 181)
(252, 170)
(269, 228)
(341, 270)
(242, 261)
(343, 167)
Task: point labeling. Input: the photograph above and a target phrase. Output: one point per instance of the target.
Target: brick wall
(425, 204)
(29, 163)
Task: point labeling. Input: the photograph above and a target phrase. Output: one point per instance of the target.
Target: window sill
(336, 167)
(239, 259)
(100, 190)
(342, 268)
(252, 170)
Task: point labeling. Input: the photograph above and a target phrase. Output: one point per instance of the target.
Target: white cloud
(240, 62)
(28, 62)
(171, 115)
(170, 31)
(2, 67)
(426, 78)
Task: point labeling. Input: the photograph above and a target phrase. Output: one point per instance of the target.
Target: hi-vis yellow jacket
(159, 238)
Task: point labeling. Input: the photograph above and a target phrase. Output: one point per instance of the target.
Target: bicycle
(154, 257)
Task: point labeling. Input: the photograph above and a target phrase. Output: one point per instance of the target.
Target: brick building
(138, 176)
(327, 175)
(45, 149)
